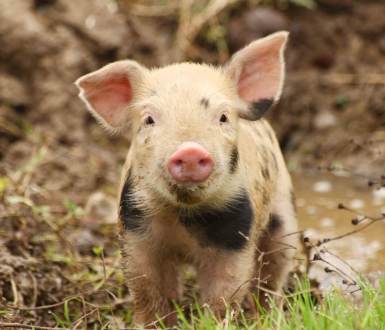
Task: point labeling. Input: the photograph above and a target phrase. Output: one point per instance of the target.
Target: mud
(318, 197)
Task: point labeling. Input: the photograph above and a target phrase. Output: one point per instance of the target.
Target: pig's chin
(187, 193)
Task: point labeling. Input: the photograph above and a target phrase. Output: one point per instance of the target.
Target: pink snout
(190, 163)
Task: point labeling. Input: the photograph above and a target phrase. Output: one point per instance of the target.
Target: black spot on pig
(265, 173)
(204, 102)
(227, 228)
(274, 224)
(259, 108)
(129, 212)
(234, 158)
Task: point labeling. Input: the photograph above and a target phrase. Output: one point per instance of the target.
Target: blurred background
(59, 171)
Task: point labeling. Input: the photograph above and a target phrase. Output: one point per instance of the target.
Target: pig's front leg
(153, 283)
(224, 278)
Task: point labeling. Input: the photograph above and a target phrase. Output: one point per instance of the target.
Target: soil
(59, 170)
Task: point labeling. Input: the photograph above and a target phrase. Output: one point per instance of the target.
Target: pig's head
(183, 119)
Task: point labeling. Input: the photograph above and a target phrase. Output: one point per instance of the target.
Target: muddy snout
(190, 163)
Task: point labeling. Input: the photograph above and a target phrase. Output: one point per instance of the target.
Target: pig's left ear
(110, 91)
(258, 71)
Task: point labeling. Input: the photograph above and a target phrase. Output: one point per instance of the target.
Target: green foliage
(73, 209)
(341, 101)
(337, 311)
(4, 182)
(97, 250)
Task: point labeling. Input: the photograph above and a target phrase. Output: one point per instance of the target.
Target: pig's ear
(109, 91)
(258, 71)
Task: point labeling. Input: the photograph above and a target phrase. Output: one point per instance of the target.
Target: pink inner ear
(261, 74)
(109, 97)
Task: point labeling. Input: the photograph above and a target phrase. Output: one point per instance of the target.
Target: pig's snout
(190, 163)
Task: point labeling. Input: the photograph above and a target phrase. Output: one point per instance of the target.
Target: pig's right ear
(109, 92)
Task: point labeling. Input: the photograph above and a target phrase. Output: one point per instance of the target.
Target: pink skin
(190, 163)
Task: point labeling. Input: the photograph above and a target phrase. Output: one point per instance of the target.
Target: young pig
(204, 181)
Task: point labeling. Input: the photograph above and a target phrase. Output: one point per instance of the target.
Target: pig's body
(204, 181)
(227, 259)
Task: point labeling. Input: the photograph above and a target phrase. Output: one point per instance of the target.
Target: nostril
(204, 162)
(179, 162)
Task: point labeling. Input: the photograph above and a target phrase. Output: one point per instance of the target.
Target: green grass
(336, 311)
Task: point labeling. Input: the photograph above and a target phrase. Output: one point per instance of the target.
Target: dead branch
(355, 221)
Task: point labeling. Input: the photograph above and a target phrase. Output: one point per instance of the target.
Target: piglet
(204, 182)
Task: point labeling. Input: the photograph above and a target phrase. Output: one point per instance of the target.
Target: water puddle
(318, 197)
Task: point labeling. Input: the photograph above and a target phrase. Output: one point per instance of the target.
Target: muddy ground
(59, 170)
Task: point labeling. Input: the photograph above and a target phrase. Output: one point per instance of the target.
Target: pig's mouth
(187, 193)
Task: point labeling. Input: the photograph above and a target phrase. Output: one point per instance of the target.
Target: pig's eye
(223, 119)
(149, 121)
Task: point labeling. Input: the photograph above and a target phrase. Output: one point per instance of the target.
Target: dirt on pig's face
(185, 114)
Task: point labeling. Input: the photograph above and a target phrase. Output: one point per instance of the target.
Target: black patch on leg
(259, 108)
(130, 214)
(234, 157)
(227, 228)
(275, 223)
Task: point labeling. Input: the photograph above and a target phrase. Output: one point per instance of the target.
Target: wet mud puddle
(318, 197)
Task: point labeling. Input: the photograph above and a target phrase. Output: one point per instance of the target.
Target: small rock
(357, 203)
(101, 208)
(325, 119)
(327, 222)
(379, 194)
(84, 240)
(322, 186)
